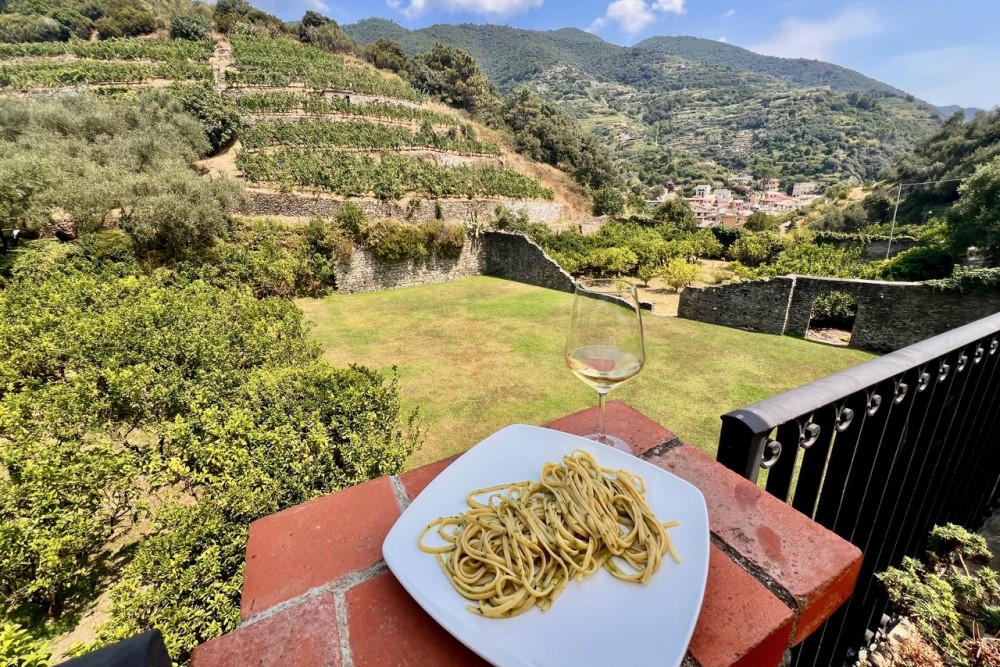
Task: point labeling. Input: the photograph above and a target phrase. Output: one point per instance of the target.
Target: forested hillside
(698, 113)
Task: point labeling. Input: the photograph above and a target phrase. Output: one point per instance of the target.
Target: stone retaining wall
(365, 273)
(418, 210)
(501, 254)
(754, 306)
(516, 257)
(891, 315)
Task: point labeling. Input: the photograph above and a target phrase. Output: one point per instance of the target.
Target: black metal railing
(879, 454)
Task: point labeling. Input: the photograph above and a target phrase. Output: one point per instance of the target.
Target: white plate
(598, 621)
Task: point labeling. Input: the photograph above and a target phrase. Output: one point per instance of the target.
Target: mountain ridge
(804, 120)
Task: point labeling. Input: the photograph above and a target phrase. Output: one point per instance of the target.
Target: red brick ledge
(316, 590)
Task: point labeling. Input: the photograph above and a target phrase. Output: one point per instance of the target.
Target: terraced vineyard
(282, 62)
(319, 105)
(387, 176)
(333, 143)
(176, 50)
(58, 64)
(364, 135)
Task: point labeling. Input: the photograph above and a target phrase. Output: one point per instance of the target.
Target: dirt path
(221, 60)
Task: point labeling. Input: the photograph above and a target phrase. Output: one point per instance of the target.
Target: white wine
(603, 367)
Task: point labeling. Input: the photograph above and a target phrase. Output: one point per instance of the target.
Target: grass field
(478, 354)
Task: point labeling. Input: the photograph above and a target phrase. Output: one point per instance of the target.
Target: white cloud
(964, 75)
(802, 38)
(633, 16)
(722, 39)
(492, 7)
(730, 14)
(318, 5)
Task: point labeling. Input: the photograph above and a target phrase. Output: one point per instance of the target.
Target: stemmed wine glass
(604, 347)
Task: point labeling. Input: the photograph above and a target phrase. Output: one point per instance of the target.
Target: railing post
(741, 443)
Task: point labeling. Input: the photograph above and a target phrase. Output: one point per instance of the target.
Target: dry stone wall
(890, 315)
(366, 273)
(516, 257)
(418, 210)
(753, 306)
(501, 254)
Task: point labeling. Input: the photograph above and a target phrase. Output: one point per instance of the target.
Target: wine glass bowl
(604, 346)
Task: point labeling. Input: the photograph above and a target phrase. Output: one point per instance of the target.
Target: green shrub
(952, 593)
(194, 27)
(16, 28)
(922, 263)
(834, 309)
(395, 241)
(274, 259)
(727, 236)
(756, 249)
(19, 649)
(351, 218)
(110, 246)
(446, 241)
(612, 261)
(126, 22)
(609, 200)
(679, 273)
(970, 280)
(216, 113)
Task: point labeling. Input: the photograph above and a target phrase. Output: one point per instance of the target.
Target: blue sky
(944, 52)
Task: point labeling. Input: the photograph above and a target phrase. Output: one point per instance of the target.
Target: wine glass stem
(601, 400)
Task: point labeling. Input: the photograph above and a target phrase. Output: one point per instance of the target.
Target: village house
(804, 188)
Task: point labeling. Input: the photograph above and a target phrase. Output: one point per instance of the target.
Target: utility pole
(892, 229)
(899, 191)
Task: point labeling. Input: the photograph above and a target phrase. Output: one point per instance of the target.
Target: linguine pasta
(523, 543)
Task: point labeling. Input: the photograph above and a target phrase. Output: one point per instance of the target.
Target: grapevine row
(60, 73)
(281, 62)
(115, 49)
(317, 104)
(387, 177)
(364, 135)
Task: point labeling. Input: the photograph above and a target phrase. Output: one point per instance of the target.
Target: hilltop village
(732, 206)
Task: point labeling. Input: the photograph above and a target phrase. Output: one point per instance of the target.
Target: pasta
(526, 541)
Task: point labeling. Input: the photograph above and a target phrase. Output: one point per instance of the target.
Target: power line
(899, 191)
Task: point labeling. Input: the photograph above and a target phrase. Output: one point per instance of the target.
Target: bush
(446, 241)
(194, 27)
(387, 54)
(126, 22)
(211, 400)
(609, 200)
(274, 259)
(395, 241)
(675, 212)
(756, 249)
(112, 246)
(727, 236)
(834, 310)
(679, 273)
(922, 263)
(31, 28)
(613, 261)
(19, 649)
(951, 594)
(215, 112)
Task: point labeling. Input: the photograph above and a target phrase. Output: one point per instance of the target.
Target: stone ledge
(803, 562)
(315, 543)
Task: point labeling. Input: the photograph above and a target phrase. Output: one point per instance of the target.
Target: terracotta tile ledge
(317, 593)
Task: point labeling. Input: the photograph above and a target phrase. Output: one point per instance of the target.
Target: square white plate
(598, 621)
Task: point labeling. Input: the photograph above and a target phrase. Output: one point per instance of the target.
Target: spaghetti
(527, 540)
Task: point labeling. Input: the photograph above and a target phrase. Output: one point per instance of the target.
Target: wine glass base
(611, 441)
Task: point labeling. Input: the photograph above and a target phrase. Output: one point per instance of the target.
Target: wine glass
(604, 347)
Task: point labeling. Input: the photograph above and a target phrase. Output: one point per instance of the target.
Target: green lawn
(478, 354)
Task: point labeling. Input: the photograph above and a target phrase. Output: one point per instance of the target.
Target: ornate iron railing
(879, 454)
